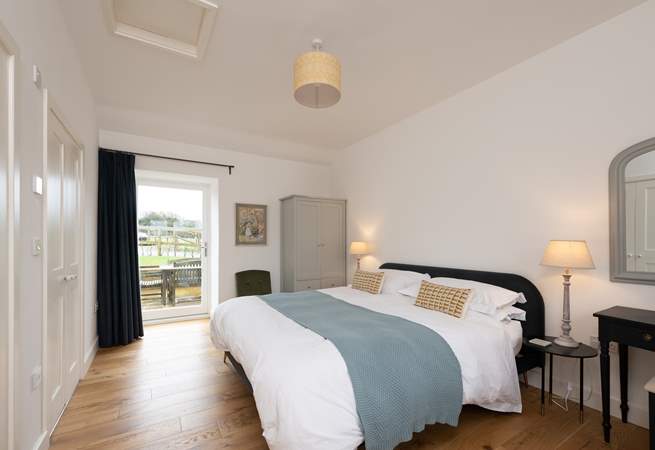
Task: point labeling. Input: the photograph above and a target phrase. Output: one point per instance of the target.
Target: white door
(645, 226)
(308, 216)
(6, 240)
(63, 306)
(332, 241)
(174, 233)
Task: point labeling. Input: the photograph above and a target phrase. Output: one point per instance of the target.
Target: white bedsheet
(301, 385)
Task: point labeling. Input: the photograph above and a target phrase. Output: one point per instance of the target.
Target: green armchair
(253, 282)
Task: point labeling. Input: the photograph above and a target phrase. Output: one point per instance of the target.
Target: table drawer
(642, 337)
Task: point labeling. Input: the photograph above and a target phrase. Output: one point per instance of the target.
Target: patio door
(173, 234)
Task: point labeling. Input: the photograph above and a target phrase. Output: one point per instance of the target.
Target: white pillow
(510, 313)
(395, 280)
(411, 290)
(487, 298)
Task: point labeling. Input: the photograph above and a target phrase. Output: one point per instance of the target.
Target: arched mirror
(632, 214)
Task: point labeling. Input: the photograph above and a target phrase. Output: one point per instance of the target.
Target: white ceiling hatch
(181, 26)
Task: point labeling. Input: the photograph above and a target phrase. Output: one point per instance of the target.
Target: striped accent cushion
(445, 299)
(370, 282)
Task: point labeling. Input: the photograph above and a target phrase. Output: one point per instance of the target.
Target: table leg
(550, 378)
(543, 384)
(651, 414)
(623, 373)
(581, 390)
(605, 386)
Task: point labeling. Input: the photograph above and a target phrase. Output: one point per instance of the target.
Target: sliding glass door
(173, 235)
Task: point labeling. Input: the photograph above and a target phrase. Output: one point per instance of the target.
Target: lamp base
(566, 341)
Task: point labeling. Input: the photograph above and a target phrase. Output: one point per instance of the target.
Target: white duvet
(301, 386)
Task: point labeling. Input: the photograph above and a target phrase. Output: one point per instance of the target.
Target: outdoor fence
(170, 241)
(176, 278)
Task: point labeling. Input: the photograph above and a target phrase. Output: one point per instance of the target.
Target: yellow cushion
(370, 282)
(445, 299)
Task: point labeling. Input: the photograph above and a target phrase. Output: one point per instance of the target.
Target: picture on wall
(250, 224)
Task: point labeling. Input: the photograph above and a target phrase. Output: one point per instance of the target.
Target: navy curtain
(119, 298)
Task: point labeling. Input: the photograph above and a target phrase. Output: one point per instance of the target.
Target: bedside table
(581, 352)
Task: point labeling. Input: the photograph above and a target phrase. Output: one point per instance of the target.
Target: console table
(627, 327)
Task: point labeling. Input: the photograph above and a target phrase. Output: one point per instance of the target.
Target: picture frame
(251, 227)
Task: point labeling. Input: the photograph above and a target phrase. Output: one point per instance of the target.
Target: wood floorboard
(171, 390)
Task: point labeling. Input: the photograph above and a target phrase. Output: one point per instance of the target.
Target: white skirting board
(637, 415)
(42, 442)
(89, 357)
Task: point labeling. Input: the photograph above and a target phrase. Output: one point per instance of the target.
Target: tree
(166, 219)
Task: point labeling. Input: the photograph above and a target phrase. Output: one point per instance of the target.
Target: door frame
(49, 104)
(195, 182)
(8, 338)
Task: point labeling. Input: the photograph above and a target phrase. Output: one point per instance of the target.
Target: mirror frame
(618, 271)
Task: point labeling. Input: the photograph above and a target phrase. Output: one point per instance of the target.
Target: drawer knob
(647, 337)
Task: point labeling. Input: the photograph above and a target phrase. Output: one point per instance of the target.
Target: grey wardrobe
(313, 253)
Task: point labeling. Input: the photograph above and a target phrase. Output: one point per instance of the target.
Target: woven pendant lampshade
(317, 78)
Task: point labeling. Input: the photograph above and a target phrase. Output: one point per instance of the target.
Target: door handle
(70, 277)
(639, 256)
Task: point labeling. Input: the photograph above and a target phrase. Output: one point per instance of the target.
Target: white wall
(38, 28)
(256, 179)
(486, 178)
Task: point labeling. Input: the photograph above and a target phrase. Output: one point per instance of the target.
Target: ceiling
(397, 58)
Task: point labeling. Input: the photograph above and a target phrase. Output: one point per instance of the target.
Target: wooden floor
(171, 390)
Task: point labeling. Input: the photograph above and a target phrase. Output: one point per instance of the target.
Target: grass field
(156, 260)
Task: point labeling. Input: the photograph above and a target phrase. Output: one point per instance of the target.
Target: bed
(301, 384)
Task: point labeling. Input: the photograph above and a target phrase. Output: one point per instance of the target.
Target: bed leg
(525, 378)
(224, 357)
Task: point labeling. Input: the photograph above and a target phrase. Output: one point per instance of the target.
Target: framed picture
(251, 227)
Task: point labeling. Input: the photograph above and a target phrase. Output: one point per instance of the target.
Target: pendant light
(317, 78)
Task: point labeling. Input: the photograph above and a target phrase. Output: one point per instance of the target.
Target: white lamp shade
(568, 254)
(358, 248)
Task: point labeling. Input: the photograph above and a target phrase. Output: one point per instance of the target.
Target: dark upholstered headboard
(534, 326)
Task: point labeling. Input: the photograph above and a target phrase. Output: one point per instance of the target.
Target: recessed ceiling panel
(176, 19)
(182, 26)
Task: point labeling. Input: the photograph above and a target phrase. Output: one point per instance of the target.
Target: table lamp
(568, 255)
(358, 249)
